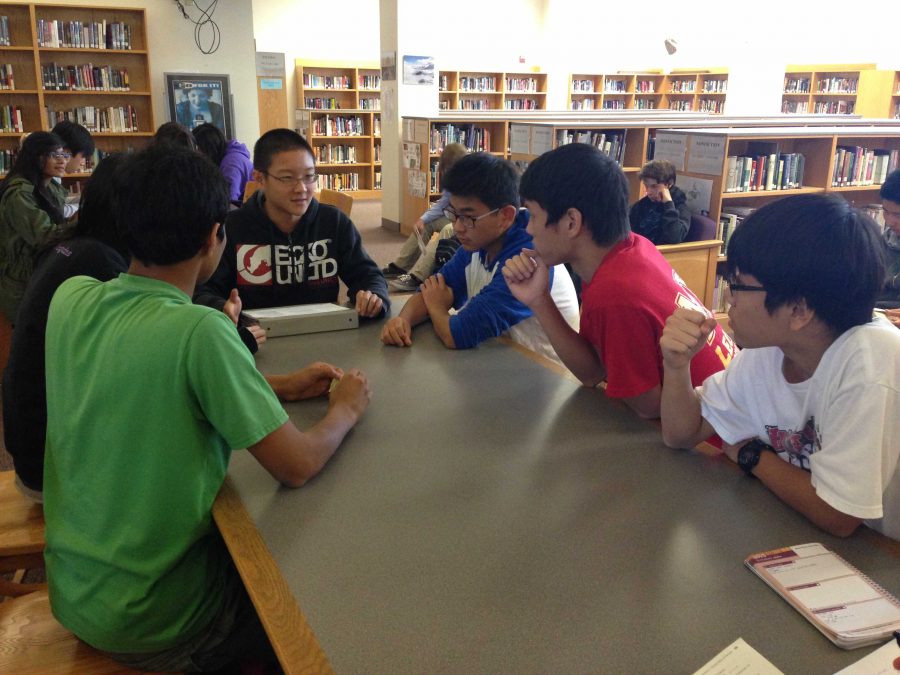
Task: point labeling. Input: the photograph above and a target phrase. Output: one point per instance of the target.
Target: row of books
(521, 104)
(583, 86)
(584, 104)
(11, 119)
(7, 79)
(484, 84)
(834, 107)
(314, 81)
(796, 85)
(683, 86)
(795, 107)
(611, 143)
(837, 85)
(339, 125)
(475, 104)
(83, 35)
(764, 172)
(711, 105)
(377, 184)
(335, 154)
(86, 77)
(338, 181)
(320, 103)
(615, 86)
(433, 176)
(4, 31)
(714, 87)
(681, 105)
(854, 165)
(372, 82)
(377, 153)
(644, 104)
(370, 104)
(7, 158)
(521, 84)
(111, 119)
(645, 86)
(614, 105)
(475, 138)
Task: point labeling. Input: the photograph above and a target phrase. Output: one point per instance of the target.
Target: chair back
(251, 187)
(703, 228)
(695, 262)
(340, 200)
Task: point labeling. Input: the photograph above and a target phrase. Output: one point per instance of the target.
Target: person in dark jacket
(232, 157)
(662, 216)
(285, 248)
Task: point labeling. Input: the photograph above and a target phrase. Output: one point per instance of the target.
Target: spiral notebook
(850, 609)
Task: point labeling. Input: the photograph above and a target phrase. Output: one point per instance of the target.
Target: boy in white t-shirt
(816, 389)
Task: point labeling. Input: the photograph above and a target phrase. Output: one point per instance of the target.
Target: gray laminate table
(489, 515)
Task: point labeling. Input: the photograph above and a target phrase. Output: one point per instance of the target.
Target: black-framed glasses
(290, 181)
(735, 286)
(61, 155)
(467, 221)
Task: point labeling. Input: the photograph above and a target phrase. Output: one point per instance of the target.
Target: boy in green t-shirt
(148, 394)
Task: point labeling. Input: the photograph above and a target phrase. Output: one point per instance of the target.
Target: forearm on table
(680, 410)
(578, 355)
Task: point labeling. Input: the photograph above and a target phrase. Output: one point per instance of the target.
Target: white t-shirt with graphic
(842, 424)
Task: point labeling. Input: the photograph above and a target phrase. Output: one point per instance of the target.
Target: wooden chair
(251, 187)
(21, 537)
(32, 641)
(695, 262)
(341, 200)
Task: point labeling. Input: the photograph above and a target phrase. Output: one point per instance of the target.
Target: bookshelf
(702, 91)
(839, 89)
(51, 75)
(335, 86)
(347, 148)
(339, 114)
(481, 90)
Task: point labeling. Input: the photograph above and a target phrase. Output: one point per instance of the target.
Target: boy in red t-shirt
(578, 200)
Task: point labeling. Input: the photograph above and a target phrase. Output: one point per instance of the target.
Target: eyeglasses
(735, 286)
(467, 221)
(61, 155)
(290, 181)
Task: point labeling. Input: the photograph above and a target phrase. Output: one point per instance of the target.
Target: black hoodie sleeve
(675, 220)
(356, 269)
(218, 287)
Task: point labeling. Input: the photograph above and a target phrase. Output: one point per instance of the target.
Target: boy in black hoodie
(285, 248)
(662, 216)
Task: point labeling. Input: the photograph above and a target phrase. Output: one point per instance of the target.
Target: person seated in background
(93, 248)
(816, 387)
(31, 213)
(173, 133)
(232, 157)
(889, 297)
(469, 301)
(77, 141)
(285, 247)
(578, 200)
(406, 272)
(662, 215)
(147, 397)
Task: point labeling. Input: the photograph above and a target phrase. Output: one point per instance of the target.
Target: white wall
(172, 50)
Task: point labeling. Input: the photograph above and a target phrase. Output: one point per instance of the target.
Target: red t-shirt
(624, 308)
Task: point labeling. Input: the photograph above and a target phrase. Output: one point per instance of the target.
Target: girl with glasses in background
(31, 213)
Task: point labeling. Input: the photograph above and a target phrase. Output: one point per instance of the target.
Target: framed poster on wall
(196, 99)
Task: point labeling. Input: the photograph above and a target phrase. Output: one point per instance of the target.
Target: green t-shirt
(147, 394)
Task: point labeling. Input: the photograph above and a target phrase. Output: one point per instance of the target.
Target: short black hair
(491, 179)
(169, 199)
(890, 189)
(579, 176)
(812, 247)
(274, 141)
(174, 134)
(75, 137)
(660, 170)
(210, 141)
(97, 210)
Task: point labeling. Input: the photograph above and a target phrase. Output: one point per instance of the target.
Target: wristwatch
(748, 455)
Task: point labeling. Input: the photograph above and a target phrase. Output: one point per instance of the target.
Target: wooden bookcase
(339, 114)
(347, 149)
(482, 90)
(702, 91)
(29, 58)
(839, 89)
(336, 86)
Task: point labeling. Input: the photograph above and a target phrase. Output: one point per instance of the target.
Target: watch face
(748, 456)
